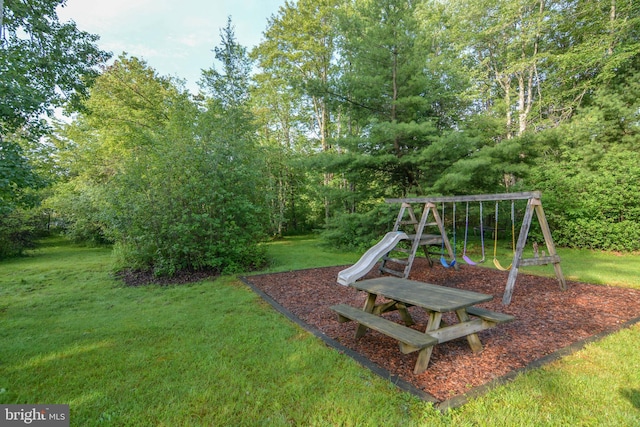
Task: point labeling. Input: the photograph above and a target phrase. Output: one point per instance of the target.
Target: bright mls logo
(34, 415)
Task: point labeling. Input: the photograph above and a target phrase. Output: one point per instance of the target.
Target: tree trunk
(1, 19)
(506, 85)
(612, 19)
(394, 98)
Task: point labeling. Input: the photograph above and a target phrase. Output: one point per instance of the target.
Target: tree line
(343, 103)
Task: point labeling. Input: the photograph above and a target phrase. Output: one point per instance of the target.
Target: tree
(400, 101)
(299, 50)
(590, 171)
(123, 118)
(532, 62)
(278, 116)
(397, 96)
(300, 44)
(231, 86)
(595, 40)
(172, 184)
(43, 64)
(505, 43)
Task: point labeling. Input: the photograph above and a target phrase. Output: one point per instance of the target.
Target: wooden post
(443, 232)
(419, 229)
(534, 204)
(515, 264)
(369, 305)
(548, 240)
(433, 324)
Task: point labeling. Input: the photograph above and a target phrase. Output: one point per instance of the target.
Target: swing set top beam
(471, 198)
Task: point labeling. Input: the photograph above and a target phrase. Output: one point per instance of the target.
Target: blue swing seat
(445, 264)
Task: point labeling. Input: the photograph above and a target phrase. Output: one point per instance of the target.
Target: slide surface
(368, 260)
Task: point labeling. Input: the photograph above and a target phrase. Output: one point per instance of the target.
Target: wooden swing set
(430, 217)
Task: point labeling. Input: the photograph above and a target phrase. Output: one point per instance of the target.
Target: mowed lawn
(212, 353)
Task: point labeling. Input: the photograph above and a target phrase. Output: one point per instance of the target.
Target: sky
(175, 37)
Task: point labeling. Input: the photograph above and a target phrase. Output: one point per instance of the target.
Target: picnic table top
(432, 297)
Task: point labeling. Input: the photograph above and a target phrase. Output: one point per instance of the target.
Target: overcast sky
(175, 37)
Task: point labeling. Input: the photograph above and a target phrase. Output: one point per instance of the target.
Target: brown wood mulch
(548, 321)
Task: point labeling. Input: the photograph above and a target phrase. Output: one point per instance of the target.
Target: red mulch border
(407, 385)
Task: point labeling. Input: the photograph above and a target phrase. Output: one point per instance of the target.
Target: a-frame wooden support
(534, 204)
(418, 239)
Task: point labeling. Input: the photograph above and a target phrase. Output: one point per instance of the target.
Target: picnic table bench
(435, 300)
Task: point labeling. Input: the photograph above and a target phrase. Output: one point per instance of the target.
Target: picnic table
(435, 300)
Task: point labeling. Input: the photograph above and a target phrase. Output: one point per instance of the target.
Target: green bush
(80, 212)
(174, 184)
(18, 231)
(360, 230)
(183, 205)
(596, 234)
(595, 203)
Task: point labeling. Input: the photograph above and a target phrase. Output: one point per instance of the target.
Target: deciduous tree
(43, 64)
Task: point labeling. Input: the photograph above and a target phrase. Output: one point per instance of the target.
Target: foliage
(81, 211)
(170, 182)
(44, 64)
(602, 211)
(17, 177)
(591, 172)
(360, 230)
(20, 180)
(16, 233)
(182, 205)
(230, 87)
(470, 165)
(456, 97)
(299, 54)
(351, 102)
(288, 197)
(398, 100)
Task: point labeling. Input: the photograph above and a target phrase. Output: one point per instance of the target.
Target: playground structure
(416, 237)
(368, 260)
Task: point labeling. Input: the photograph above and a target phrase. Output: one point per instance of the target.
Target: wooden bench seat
(409, 339)
(490, 316)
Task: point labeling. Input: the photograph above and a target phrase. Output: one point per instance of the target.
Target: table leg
(383, 308)
(435, 318)
(425, 354)
(394, 305)
(369, 305)
(404, 314)
(472, 339)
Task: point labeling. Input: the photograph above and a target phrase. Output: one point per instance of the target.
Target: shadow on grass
(632, 395)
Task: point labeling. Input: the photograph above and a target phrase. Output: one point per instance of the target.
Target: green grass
(212, 353)
(597, 267)
(300, 252)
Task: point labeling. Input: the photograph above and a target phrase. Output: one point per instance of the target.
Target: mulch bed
(547, 321)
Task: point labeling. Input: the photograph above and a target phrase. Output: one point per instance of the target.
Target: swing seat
(500, 267)
(468, 260)
(465, 258)
(445, 264)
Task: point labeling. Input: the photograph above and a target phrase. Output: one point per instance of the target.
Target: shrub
(360, 230)
(18, 232)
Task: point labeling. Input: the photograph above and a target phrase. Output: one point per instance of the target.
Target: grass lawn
(213, 353)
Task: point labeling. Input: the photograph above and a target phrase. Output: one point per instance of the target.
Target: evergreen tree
(399, 103)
